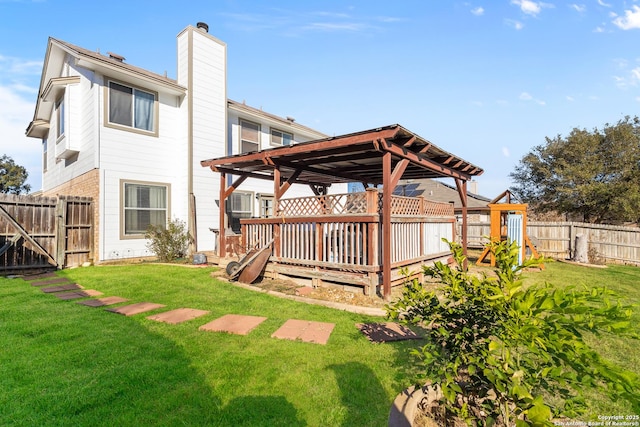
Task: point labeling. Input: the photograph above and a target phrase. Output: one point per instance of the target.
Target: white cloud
(19, 80)
(570, 98)
(638, 98)
(598, 30)
(515, 24)
(580, 8)
(478, 11)
(526, 96)
(529, 7)
(631, 19)
(601, 3)
(505, 152)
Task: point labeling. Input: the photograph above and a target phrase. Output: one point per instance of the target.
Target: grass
(64, 364)
(624, 352)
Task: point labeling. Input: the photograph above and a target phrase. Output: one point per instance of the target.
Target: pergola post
(386, 225)
(461, 185)
(222, 246)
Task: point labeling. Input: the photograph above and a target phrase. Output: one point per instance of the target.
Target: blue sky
(487, 81)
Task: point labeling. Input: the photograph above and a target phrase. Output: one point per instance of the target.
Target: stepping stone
(139, 307)
(386, 332)
(178, 315)
(234, 324)
(51, 281)
(304, 330)
(79, 294)
(68, 287)
(100, 302)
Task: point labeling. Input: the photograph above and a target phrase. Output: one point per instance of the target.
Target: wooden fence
(45, 232)
(612, 244)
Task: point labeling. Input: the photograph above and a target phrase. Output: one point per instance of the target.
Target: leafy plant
(168, 243)
(502, 353)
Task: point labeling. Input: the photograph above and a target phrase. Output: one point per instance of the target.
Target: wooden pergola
(373, 157)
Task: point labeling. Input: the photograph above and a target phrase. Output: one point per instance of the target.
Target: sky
(485, 80)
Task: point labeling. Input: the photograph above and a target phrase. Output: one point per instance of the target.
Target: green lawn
(64, 364)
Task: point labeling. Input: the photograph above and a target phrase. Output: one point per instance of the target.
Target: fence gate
(45, 232)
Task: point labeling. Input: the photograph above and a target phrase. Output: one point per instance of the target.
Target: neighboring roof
(438, 191)
(355, 157)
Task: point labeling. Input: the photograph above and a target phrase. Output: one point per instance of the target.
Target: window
(60, 117)
(144, 205)
(239, 205)
(249, 136)
(279, 137)
(266, 206)
(44, 154)
(131, 107)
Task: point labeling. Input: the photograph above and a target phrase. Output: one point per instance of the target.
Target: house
(439, 191)
(133, 140)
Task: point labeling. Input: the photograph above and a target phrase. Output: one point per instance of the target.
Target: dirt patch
(326, 294)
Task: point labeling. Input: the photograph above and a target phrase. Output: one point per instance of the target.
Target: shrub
(494, 348)
(169, 243)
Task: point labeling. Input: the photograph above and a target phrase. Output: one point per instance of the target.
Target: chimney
(203, 26)
(115, 56)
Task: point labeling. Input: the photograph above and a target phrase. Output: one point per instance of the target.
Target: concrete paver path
(234, 324)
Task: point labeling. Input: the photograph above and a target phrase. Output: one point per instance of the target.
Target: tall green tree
(12, 177)
(592, 175)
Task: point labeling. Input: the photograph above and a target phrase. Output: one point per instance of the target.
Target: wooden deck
(337, 240)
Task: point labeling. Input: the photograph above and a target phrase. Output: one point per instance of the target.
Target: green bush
(168, 243)
(503, 353)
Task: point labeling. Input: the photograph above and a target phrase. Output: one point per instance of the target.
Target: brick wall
(85, 185)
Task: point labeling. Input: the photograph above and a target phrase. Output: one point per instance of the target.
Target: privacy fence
(45, 232)
(612, 244)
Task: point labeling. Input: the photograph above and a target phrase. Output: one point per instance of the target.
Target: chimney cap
(203, 26)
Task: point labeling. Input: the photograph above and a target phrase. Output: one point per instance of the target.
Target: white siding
(80, 129)
(206, 69)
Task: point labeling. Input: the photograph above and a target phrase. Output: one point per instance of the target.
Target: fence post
(61, 235)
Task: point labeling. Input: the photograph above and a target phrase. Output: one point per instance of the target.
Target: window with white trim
(131, 107)
(266, 206)
(143, 205)
(239, 205)
(249, 136)
(279, 137)
(60, 117)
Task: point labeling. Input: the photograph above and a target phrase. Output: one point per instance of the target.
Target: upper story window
(60, 117)
(143, 205)
(249, 136)
(279, 137)
(44, 154)
(131, 107)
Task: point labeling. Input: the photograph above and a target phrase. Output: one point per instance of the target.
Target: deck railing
(344, 231)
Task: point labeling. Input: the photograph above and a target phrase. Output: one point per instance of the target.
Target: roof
(287, 123)
(55, 57)
(440, 192)
(354, 157)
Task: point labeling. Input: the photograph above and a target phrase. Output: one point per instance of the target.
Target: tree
(12, 177)
(594, 175)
